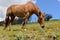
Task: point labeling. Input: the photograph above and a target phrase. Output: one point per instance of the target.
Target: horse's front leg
(24, 24)
(25, 20)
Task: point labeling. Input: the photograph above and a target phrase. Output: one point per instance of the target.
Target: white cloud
(58, 0)
(1, 19)
(2, 13)
(9, 2)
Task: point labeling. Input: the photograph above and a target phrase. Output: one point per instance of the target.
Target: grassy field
(33, 32)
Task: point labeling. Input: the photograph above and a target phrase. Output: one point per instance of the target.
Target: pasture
(33, 32)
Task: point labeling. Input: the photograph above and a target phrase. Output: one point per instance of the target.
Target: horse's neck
(38, 13)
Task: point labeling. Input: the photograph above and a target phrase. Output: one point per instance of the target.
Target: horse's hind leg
(11, 22)
(6, 22)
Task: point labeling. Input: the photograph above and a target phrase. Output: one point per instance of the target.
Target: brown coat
(23, 11)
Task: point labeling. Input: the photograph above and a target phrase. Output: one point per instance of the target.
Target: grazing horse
(23, 11)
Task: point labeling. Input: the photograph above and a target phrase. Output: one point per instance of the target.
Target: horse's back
(21, 10)
(28, 5)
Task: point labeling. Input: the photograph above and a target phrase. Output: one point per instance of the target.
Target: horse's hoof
(23, 28)
(4, 29)
(9, 30)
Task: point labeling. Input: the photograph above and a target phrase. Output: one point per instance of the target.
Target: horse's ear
(44, 14)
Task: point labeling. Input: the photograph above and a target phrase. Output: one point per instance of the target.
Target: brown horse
(23, 11)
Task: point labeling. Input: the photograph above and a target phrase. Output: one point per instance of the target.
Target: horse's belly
(21, 15)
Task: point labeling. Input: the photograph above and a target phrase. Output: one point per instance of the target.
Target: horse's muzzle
(42, 26)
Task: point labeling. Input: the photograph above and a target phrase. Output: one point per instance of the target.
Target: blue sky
(49, 6)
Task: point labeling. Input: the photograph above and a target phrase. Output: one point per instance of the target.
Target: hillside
(33, 32)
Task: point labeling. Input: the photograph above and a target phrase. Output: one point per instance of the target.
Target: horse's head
(41, 20)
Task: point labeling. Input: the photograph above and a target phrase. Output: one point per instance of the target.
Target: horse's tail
(6, 22)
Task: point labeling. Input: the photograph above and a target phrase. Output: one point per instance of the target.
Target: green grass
(33, 32)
